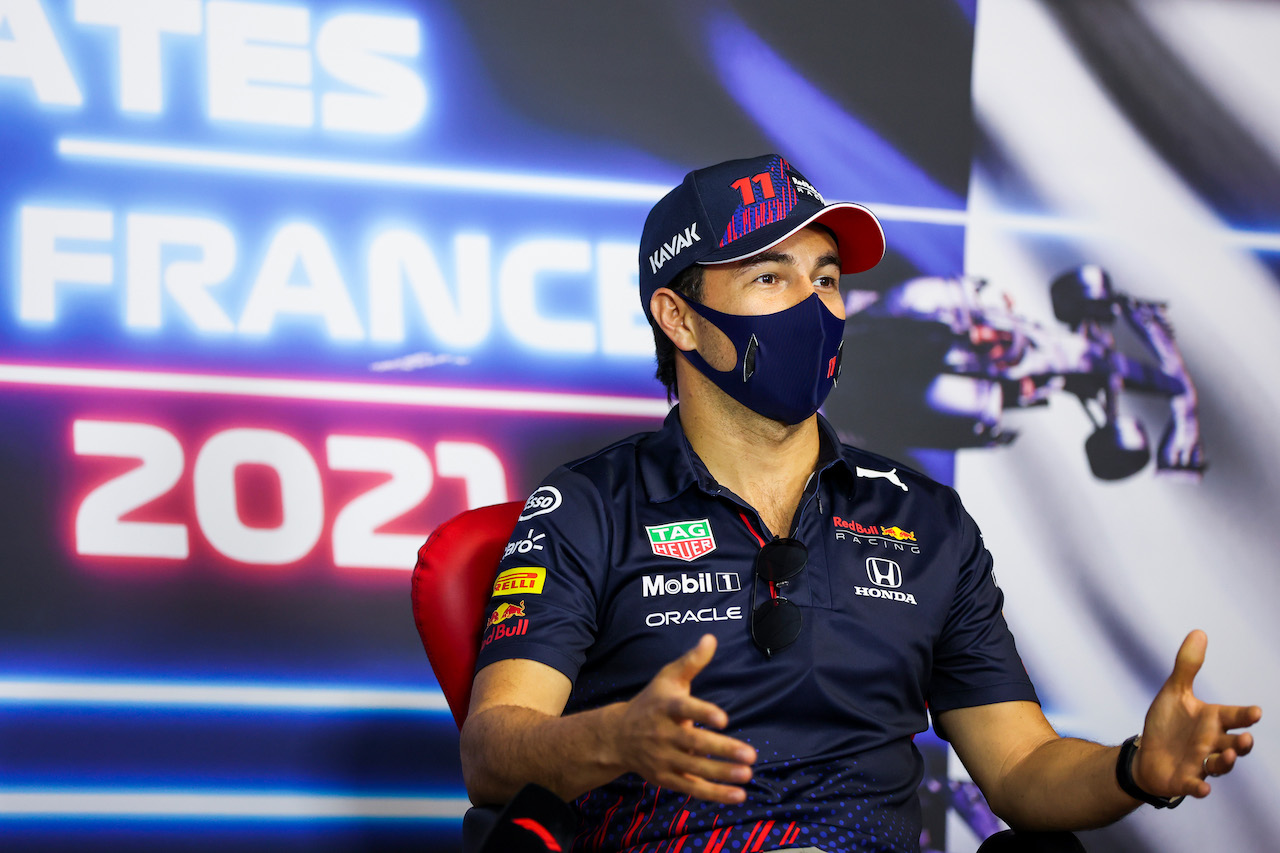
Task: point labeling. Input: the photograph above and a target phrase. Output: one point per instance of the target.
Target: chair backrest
(451, 586)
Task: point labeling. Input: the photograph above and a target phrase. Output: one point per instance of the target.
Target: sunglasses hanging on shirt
(775, 624)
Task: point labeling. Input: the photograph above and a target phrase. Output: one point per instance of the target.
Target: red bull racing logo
(898, 533)
(876, 534)
(865, 529)
(506, 610)
(495, 630)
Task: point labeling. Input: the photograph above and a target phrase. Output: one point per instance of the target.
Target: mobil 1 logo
(685, 583)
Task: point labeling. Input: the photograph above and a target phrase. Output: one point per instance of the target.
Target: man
(825, 599)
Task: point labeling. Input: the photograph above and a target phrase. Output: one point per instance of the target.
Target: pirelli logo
(522, 580)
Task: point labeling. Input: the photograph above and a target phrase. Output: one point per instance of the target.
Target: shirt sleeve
(975, 659)
(545, 597)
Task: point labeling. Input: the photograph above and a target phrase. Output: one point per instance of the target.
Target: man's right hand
(660, 737)
(517, 732)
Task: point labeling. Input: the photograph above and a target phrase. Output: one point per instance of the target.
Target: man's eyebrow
(766, 257)
(829, 260)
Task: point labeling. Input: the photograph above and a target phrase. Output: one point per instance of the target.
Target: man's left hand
(1185, 740)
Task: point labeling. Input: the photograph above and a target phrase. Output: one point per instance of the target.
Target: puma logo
(891, 475)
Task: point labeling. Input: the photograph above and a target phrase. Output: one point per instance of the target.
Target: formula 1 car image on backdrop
(935, 362)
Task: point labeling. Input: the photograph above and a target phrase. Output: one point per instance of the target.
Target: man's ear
(674, 316)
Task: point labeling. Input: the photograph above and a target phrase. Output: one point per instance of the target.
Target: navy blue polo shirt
(623, 559)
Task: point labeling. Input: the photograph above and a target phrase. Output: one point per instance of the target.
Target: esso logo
(546, 499)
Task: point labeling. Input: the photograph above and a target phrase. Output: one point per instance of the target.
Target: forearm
(1065, 783)
(507, 746)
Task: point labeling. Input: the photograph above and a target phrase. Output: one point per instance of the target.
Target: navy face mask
(788, 362)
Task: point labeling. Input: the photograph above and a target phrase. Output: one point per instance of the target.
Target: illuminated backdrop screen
(288, 284)
(285, 285)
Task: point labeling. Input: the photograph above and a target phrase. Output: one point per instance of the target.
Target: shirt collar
(668, 466)
(830, 448)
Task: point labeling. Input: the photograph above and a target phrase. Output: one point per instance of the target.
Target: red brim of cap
(858, 235)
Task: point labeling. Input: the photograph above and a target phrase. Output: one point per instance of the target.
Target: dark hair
(687, 283)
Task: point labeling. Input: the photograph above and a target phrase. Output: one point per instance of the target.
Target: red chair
(450, 592)
(451, 587)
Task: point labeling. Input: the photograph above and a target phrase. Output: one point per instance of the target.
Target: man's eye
(827, 281)
(767, 278)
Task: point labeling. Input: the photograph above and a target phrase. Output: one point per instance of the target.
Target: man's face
(805, 263)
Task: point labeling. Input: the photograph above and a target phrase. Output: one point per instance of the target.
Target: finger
(696, 710)
(1238, 716)
(686, 667)
(1190, 659)
(706, 778)
(702, 789)
(1241, 744)
(1220, 763)
(729, 772)
(1193, 784)
(705, 743)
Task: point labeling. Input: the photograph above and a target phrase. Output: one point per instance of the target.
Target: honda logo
(884, 572)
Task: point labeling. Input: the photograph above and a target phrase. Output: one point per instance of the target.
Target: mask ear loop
(749, 353)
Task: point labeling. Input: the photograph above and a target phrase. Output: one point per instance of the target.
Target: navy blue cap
(736, 209)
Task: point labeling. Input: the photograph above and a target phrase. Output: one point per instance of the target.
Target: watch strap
(1124, 776)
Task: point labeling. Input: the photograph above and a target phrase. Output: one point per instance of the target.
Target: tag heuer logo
(683, 540)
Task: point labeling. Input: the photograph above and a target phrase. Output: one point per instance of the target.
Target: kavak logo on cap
(673, 247)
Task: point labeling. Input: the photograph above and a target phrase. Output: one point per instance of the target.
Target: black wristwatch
(1124, 775)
